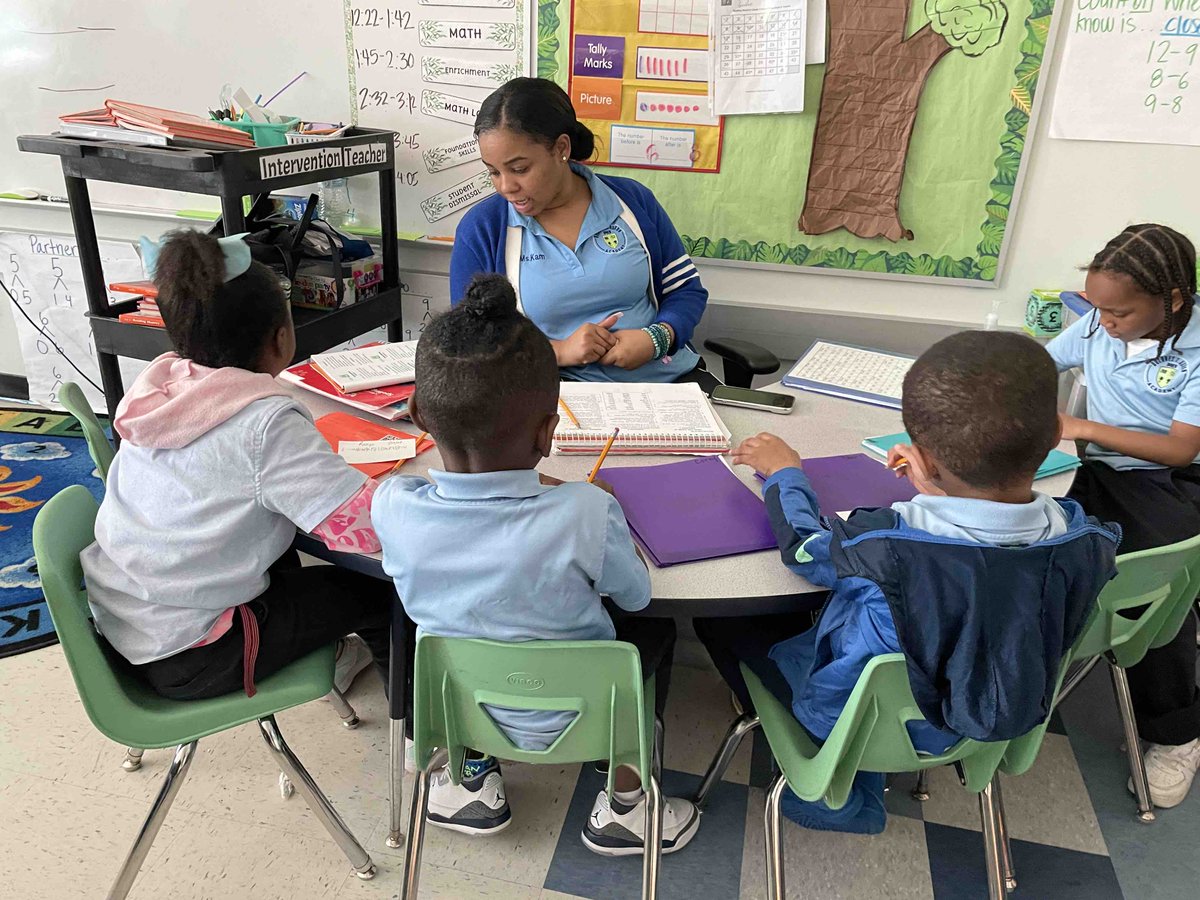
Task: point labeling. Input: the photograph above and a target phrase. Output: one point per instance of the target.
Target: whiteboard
(69, 55)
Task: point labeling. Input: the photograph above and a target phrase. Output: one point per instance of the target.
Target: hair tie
(234, 248)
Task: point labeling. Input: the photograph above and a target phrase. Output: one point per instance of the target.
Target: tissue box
(315, 287)
(1043, 313)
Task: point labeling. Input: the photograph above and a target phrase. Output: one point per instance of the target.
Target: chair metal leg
(133, 759)
(741, 726)
(1010, 872)
(343, 708)
(773, 839)
(317, 801)
(395, 837)
(1075, 678)
(920, 793)
(162, 804)
(652, 839)
(656, 756)
(417, 825)
(1133, 744)
(992, 853)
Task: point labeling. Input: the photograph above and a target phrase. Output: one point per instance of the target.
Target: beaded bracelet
(661, 338)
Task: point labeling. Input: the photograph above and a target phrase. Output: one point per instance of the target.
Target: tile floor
(68, 813)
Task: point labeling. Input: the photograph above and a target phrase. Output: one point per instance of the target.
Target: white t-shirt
(185, 534)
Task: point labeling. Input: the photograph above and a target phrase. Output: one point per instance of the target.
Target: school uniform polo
(607, 271)
(1140, 392)
(500, 555)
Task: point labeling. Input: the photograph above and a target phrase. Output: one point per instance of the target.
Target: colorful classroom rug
(40, 454)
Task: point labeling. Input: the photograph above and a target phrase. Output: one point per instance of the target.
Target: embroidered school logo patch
(611, 240)
(1167, 374)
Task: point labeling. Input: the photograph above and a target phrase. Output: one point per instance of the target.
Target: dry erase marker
(567, 410)
(603, 454)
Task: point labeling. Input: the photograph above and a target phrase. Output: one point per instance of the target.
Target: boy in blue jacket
(981, 581)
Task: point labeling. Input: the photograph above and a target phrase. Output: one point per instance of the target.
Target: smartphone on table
(752, 399)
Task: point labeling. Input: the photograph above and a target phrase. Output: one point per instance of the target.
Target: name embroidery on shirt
(611, 240)
(532, 257)
(1167, 374)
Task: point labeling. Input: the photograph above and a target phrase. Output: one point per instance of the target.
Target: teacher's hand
(633, 349)
(588, 344)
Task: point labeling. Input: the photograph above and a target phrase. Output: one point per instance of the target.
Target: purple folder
(846, 482)
(685, 511)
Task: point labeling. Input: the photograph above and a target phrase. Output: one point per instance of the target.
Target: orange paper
(340, 426)
(596, 98)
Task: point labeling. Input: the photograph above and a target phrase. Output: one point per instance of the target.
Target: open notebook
(653, 418)
(1056, 461)
(855, 373)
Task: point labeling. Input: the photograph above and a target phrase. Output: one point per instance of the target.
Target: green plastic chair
(600, 680)
(870, 735)
(1164, 583)
(71, 397)
(127, 711)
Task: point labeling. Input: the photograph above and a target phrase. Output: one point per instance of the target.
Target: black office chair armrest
(742, 360)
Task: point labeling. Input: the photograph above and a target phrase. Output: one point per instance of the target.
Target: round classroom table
(749, 584)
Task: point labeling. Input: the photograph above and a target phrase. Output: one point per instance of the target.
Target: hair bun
(490, 297)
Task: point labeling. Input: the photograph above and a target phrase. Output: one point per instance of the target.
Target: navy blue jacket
(984, 628)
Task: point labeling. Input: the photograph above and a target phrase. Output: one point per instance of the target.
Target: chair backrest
(870, 735)
(102, 452)
(113, 700)
(599, 680)
(1163, 581)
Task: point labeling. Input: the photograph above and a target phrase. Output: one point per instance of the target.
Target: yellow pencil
(567, 410)
(399, 463)
(603, 454)
(899, 464)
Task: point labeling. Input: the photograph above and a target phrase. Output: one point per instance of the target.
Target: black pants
(748, 640)
(655, 642)
(1154, 507)
(301, 610)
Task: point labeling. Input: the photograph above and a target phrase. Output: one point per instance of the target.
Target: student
(1140, 351)
(489, 549)
(981, 581)
(190, 578)
(595, 259)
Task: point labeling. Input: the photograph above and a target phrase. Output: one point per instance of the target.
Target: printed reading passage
(851, 372)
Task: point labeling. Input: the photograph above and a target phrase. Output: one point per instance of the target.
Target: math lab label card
(450, 108)
(467, 72)
(468, 35)
(458, 197)
(451, 154)
(599, 56)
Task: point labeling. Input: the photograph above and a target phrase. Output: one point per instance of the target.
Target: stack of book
(138, 124)
(148, 312)
(374, 378)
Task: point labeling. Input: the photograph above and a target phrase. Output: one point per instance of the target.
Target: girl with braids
(191, 578)
(1140, 351)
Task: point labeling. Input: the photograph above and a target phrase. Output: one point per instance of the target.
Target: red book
(138, 318)
(143, 288)
(306, 375)
(339, 426)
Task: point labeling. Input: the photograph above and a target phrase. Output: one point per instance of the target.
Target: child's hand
(604, 485)
(766, 453)
(1073, 428)
(905, 463)
(549, 480)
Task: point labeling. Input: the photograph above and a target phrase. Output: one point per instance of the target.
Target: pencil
(567, 410)
(603, 454)
(399, 463)
(899, 464)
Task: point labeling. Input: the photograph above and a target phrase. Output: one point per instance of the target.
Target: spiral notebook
(653, 418)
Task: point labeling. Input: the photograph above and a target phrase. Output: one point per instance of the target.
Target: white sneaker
(476, 806)
(1170, 770)
(353, 656)
(614, 829)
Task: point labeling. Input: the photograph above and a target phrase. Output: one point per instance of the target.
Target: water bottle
(333, 203)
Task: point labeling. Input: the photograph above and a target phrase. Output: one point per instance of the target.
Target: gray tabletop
(753, 583)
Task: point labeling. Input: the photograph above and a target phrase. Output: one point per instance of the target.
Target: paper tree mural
(874, 76)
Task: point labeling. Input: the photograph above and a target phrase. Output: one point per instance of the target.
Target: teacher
(595, 261)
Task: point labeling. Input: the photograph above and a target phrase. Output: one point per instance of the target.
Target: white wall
(1076, 196)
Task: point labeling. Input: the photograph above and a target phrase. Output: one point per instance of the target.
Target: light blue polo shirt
(1142, 393)
(608, 271)
(499, 555)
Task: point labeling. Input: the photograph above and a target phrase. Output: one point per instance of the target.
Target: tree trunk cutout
(874, 77)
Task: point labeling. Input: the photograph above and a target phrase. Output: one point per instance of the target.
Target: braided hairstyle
(482, 368)
(1160, 261)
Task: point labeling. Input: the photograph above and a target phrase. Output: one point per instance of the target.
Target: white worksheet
(759, 52)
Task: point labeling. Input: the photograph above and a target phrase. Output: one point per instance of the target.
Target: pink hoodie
(175, 400)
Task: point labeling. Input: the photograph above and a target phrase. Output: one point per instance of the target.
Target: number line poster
(638, 78)
(1127, 72)
(422, 70)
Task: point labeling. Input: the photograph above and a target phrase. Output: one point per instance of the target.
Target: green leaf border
(981, 267)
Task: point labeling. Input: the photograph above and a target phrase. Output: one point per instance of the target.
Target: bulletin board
(906, 163)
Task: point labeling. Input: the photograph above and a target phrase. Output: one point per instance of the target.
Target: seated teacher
(596, 263)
